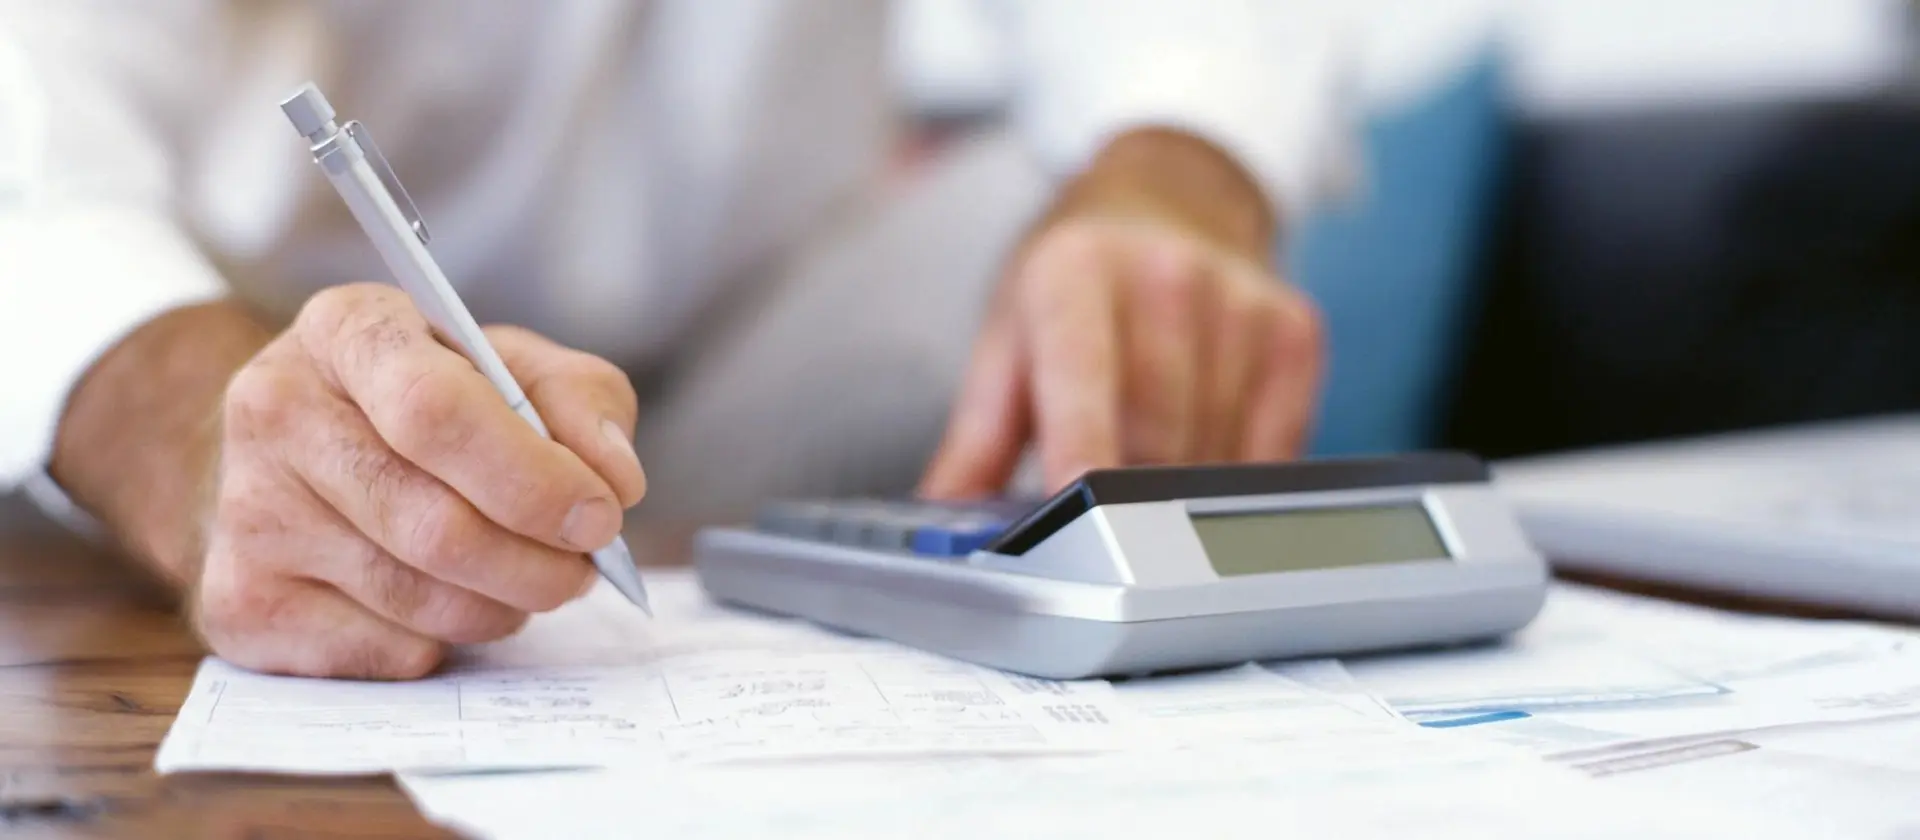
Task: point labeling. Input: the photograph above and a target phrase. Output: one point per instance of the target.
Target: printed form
(688, 687)
(1246, 751)
(703, 685)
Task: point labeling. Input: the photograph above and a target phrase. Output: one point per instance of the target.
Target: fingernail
(591, 524)
(620, 440)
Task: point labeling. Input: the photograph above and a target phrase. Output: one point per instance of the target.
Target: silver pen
(351, 160)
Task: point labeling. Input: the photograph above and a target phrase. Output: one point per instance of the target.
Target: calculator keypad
(928, 529)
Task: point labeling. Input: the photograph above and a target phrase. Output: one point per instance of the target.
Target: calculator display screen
(1317, 538)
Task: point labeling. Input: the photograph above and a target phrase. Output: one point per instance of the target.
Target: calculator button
(957, 538)
(848, 524)
(928, 529)
(853, 520)
(807, 520)
(891, 531)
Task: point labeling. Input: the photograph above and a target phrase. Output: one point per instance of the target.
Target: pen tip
(616, 565)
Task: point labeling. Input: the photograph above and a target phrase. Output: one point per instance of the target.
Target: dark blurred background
(1693, 270)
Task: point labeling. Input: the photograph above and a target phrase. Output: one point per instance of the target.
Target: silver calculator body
(1143, 570)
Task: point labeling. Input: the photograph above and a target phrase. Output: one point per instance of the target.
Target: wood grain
(94, 662)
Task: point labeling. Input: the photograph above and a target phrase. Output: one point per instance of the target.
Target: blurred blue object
(1395, 272)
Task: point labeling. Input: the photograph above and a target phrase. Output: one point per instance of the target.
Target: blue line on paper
(1475, 720)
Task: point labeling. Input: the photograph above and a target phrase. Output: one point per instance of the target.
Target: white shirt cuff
(75, 283)
(1279, 109)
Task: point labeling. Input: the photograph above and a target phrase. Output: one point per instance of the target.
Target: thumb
(989, 424)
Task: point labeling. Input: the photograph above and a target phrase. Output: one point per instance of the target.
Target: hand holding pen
(393, 479)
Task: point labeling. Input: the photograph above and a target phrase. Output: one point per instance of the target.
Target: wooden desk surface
(93, 666)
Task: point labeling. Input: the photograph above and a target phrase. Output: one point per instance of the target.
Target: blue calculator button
(955, 539)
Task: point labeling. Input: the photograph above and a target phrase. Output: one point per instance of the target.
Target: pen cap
(310, 112)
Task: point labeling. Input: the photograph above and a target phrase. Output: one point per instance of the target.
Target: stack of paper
(1265, 795)
(692, 724)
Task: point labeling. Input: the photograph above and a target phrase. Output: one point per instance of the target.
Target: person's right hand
(377, 500)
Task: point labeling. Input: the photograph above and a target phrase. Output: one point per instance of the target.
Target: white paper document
(1263, 793)
(1861, 780)
(1249, 704)
(1830, 673)
(1260, 754)
(594, 685)
(1716, 645)
(1591, 649)
(1525, 673)
(695, 708)
(1890, 743)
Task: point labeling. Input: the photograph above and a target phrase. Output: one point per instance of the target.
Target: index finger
(1072, 333)
(588, 404)
(440, 413)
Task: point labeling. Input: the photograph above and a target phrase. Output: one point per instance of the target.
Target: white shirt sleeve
(93, 97)
(1260, 78)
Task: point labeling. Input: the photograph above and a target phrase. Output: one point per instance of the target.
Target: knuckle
(248, 531)
(354, 329)
(424, 416)
(238, 604)
(506, 336)
(392, 487)
(1152, 434)
(595, 371)
(1174, 273)
(371, 336)
(601, 375)
(1077, 243)
(262, 402)
(434, 608)
(242, 512)
(441, 538)
(327, 308)
(253, 534)
(577, 372)
(1063, 255)
(329, 311)
(393, 588)
(1050, 287)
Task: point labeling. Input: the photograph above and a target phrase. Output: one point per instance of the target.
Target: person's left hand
(1140, 323)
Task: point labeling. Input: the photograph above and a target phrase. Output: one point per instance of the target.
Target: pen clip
(384, 171)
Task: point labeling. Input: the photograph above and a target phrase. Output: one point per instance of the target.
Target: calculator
(1142, 570)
